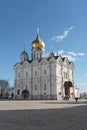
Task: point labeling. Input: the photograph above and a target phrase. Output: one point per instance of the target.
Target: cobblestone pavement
(43, 115)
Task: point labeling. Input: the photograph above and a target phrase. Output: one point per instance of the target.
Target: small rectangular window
(35, 87)
(35, 73)
(44, 71)
(26, 74)
(18, 92)
(65, 75)
(44, 86)
(19, 75)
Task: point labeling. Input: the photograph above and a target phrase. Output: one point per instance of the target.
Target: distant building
(77, 92)
(43, 77)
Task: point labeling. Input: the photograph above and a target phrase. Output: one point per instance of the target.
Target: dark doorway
(67, 91)
(12, 95)
(25, 94)
(67, 86)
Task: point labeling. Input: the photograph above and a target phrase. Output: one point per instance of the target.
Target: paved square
(43, 115)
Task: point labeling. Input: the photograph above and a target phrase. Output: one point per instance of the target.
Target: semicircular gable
(35, 62)
(44, 61)
(52, 60)
(71, 65)
(17, 66)
(26, 64)
(66, 61)
(59, 60)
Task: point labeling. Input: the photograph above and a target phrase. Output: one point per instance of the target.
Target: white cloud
(71, 58)
(72, 53)
(60, 52)
(64, 35)
(81, 54)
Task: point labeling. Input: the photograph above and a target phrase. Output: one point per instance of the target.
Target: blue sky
(63, 27)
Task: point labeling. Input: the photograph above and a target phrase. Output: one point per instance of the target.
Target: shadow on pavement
(74, 118)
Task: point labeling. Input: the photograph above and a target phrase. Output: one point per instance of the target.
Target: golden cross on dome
(24, 47)
(38, 30)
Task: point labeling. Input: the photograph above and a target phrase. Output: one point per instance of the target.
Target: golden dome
(38, 43)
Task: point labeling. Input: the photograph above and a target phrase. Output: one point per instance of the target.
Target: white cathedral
(43, 77)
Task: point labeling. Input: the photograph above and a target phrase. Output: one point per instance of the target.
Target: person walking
(76, 99)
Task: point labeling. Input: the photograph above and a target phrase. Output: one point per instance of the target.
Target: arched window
(44, 93)
(24, 58)
(65, 75)
(26, 87)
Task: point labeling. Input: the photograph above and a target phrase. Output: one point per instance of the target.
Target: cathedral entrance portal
(25, 94)
(67, 91)
(67, 86)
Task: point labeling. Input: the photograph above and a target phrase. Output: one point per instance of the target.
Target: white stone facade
(44, 77)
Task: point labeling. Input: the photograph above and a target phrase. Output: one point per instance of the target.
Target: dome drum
(24, 56)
